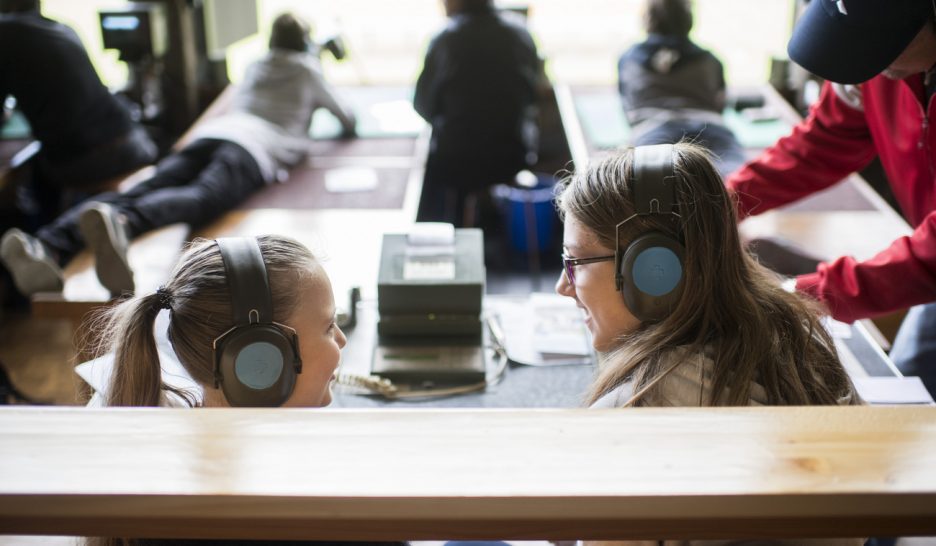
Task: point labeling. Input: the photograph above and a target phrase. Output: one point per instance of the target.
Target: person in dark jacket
(477, 91)
(672, 89)
(88, 138)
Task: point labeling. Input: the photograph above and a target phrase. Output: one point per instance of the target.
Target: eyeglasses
(570, 263)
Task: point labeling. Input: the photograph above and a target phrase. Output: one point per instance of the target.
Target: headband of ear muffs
(257, 360)
(649, 272)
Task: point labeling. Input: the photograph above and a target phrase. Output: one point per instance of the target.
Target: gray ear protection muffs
(649, 272)
(257, 360)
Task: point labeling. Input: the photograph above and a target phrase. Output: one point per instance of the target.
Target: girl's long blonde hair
(731, 309)
(199, 300)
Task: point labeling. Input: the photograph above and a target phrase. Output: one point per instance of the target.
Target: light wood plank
(398, 474)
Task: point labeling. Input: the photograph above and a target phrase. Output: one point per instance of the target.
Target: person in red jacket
(880, 60)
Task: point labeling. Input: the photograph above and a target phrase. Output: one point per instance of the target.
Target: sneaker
(105, 233)
(30, 262)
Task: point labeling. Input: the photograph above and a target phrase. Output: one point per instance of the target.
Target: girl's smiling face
(606, 315)
(320, 341)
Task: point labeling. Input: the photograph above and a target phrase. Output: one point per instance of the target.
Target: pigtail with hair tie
(163, 298)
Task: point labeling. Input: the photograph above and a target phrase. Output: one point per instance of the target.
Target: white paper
(423, 269)
(430, 250)
(558, 329)
(892, 390)
(544, 330)
(431, 234)
(350, 179)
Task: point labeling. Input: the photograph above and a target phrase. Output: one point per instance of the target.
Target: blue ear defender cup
(650, 272)
(257, 360)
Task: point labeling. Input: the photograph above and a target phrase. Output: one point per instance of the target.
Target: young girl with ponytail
(199, 299)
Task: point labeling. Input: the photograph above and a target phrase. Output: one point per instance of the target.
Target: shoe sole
(111, 267)
(31, 275)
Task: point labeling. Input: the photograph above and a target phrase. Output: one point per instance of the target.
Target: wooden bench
(519, 474)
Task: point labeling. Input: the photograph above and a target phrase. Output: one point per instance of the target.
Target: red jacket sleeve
(902, 275)
(827, 146)
(830, 144)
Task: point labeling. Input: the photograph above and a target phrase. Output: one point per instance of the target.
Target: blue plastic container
(529, 213)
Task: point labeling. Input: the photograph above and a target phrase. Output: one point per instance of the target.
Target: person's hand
(783, 256)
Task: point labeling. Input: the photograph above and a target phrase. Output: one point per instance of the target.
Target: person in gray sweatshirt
(229, 157)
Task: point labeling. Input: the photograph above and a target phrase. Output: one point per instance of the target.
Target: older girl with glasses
(685, 315)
